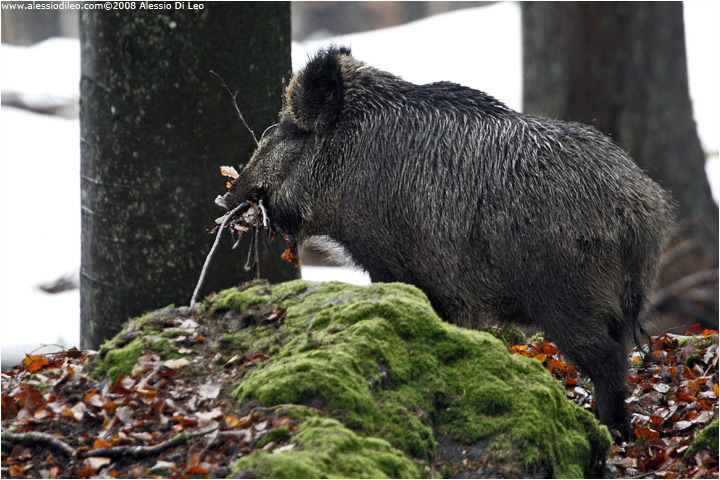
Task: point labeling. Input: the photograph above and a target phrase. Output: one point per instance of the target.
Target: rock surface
(380, 386)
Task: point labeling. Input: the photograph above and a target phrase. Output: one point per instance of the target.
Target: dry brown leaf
(35, 362)
(229, 172)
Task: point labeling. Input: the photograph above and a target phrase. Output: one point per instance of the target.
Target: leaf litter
(671, 400)
(176, 419)
(172, 418)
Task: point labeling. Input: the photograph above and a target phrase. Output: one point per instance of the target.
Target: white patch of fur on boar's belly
(335, 251)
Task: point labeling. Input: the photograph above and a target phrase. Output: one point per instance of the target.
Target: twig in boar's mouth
(244, 217)
(225, 221)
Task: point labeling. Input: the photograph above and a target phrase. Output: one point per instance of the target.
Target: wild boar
(492, 213)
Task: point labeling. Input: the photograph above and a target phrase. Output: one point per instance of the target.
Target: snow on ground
(44, 76)
(39, 155)
(39, 188)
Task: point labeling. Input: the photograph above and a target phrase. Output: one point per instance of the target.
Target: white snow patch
(44, 76)
(39, 229)
(339, 274)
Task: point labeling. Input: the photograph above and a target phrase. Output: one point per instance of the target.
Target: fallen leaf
(96, 462)
(626, 462)
(682, 425)
(86, 472)
(209, 390)
(189, 324)
(231, 421)
(16, 471)
(9, 407)
(35, 362)
(229, 172)
(100, 443)
(284, 448)
(661, 387)
(204, 418)
(30, 399)
(177, 363)
(162, 464)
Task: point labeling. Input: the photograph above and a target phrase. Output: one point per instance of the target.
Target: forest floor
(168, 420)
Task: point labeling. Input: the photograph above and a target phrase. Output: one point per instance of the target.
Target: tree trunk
(621, 67)
(156, 126)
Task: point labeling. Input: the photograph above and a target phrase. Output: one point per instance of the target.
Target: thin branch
(234, 433)
(237, 242)
(227, 218)
(668, 330)
(257, 256)
(33, 439)
(267, 130)
(237, 109)
(264, 214)
(248, 264)
(143, 451)
(652, 473)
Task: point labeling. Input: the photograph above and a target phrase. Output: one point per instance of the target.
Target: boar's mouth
(223, 202)
(247, 215)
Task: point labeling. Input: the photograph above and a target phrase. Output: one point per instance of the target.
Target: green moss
(326, 449)
(380, 361)
(279, 433)
(233, 342)
(300, 413)
(700, 342)
(705, 439)
(691, 360)
(120, 360)
(113, 360)
(257, 293)
(174, 332)
(537, 337)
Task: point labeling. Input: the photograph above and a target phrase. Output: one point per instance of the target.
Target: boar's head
(301, 164)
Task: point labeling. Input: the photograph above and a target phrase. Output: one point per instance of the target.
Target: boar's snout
(240, 192)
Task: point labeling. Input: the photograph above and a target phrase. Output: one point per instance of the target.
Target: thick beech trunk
(156, 126)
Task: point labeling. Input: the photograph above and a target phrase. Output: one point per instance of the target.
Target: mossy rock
(705, 439)
(392, 388)
(377, 383)
(151, 333)
(327, 449)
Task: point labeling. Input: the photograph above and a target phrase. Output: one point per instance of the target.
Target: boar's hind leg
(591, 345)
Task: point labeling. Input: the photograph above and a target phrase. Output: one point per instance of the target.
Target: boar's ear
(315, 96)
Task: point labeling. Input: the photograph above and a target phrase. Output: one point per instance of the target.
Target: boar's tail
(640, 263)
(636, 310)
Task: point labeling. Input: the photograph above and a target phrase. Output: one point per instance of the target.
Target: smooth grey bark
(156, 126)
(621, 67)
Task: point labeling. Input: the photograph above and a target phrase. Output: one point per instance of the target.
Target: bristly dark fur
(492, 213)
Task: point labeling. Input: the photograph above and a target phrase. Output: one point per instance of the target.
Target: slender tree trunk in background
(156, 126)
(621, 67)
